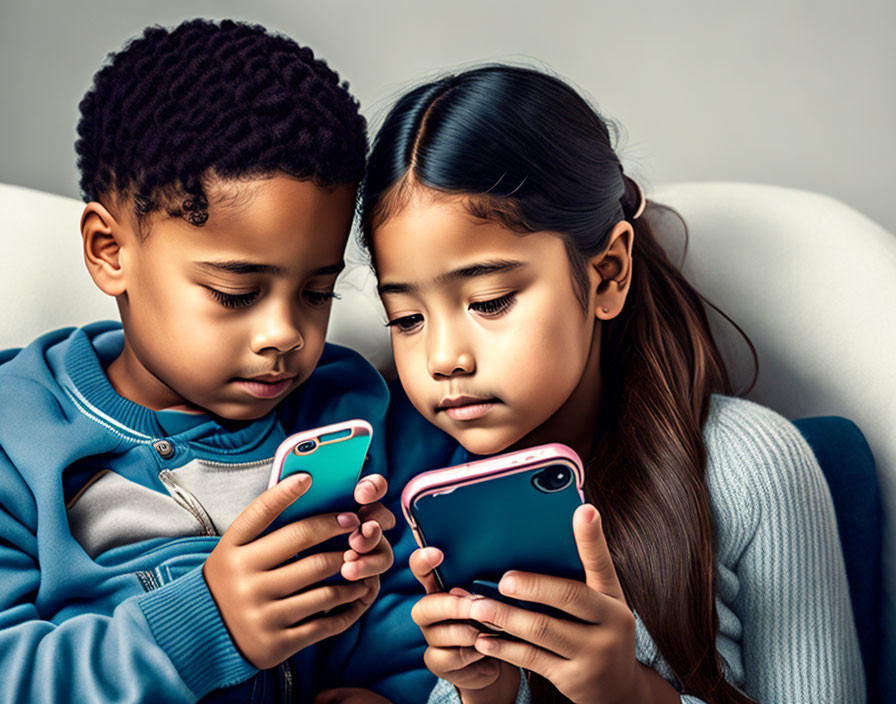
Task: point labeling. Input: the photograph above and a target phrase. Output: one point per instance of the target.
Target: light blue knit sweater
(786, 627)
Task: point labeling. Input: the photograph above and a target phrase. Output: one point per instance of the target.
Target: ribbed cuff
(187, 625)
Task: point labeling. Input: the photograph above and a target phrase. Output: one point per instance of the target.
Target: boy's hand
(450, 636)
(271, 606)
(370, 553)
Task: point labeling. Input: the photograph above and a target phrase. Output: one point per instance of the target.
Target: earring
(605, 310)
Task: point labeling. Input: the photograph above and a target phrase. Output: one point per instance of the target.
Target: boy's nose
(278, 332)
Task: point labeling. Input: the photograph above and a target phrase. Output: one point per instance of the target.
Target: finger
(370, 488)
(422, 563)
(283, 544)
(294, 609)
(519, 653)
(366, 537)
(322, 626)
(567, 595)
(557, 635)
(372, 563)
(450, 661)
(300, 574)
(434, 608)
(600, 574)
(452, 634)
(379, 513)
(259, 514)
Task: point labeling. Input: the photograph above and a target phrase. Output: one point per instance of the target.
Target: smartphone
(334, 457)
(512, 511)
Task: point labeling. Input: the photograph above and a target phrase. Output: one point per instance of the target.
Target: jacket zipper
(286, 673)
(187, 501)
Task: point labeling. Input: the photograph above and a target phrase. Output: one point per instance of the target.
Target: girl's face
(490, 340)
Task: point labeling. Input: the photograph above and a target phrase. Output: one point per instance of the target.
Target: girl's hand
(349, 695)
(369, 552)
(444, 620)
(271, 606)
(592, 660)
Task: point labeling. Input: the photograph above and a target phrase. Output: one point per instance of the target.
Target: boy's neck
(135, 382)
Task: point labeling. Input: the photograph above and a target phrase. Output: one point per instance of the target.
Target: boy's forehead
(268, 222)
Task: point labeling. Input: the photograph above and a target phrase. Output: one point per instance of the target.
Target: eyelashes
(492, 308)
(234, 300)
(244, 300)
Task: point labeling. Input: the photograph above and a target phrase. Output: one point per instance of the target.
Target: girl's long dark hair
(529, 152)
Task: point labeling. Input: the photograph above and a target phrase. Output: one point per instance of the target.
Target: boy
(219, 165)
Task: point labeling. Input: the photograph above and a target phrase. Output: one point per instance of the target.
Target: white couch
(811, 281)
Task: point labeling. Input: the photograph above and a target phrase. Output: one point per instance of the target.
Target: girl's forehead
(431, 243)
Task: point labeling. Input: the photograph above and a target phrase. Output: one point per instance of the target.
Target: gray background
(791, 93)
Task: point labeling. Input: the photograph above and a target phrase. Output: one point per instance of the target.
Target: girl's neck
(575, 422)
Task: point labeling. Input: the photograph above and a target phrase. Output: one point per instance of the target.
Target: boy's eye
(406, 323)
(319, 298)
(495, 306)
(234, 300)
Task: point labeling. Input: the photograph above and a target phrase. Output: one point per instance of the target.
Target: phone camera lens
(303, 448)
(552, 479)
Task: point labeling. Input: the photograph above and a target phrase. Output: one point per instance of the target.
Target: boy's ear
(612, 272)
(101, 237)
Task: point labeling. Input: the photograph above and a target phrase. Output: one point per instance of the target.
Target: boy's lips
(466, 407)
(266, 385)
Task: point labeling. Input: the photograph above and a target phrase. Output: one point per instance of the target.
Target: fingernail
(367, 483)
(485, 642)
(300, 479)
(457, 591)
(508, 583)
(591, 513)
(369, 528)
(350, 556)
(347, 520)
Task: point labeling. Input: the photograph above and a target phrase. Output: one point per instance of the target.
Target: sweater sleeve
(777, 544)
(168, 645)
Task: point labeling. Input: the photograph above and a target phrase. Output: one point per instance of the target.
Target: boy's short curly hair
(230, 99)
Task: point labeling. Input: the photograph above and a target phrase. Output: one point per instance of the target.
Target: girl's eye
(319, 298)
(495, 306)
(406, 323)
(234, 300)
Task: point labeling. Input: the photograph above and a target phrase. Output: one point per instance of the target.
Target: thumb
(423, 563)
(600, 574)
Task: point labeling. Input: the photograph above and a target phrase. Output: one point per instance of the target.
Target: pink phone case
(448, 479)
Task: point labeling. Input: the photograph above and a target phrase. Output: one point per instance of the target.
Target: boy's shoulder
(42, 363)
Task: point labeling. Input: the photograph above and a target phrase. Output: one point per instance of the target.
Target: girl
(529, 302)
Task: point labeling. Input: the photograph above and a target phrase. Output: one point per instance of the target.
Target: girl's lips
(264, 389)
(470, 412)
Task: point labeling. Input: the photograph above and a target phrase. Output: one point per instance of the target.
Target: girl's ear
(101, 235)
(612, 272)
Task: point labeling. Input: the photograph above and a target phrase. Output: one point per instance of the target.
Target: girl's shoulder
(758, 463)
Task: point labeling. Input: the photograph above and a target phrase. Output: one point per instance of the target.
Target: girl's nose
(449, 356)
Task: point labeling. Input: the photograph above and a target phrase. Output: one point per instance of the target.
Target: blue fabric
(848, 467)
(90, 610)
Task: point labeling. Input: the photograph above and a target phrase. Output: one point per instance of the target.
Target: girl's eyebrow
(491, 266)
(241, 267)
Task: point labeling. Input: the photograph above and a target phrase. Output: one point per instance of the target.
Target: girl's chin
(485, 441)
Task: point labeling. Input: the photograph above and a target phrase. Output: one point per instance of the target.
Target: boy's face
(230, 317)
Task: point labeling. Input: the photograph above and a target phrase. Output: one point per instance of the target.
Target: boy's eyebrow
(492, 266)
(240, 267)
